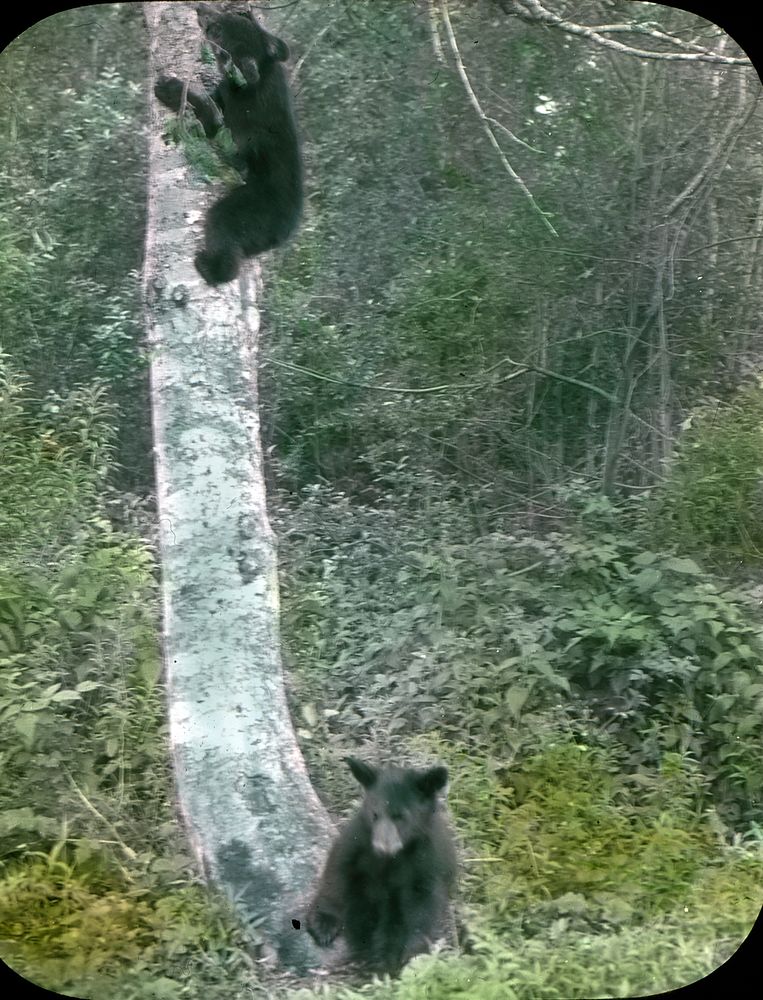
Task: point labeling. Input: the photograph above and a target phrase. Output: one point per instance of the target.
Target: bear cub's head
(240, 44)
(398, 803)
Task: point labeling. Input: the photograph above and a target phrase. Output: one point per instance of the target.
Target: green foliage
(63, 929)
(459, 277)
(623, 962)
(71, 205)
(403, 633)
(67, 231)
(77, 624)
(567, 831)
(444, 292)
(209, 159)
(712, 502)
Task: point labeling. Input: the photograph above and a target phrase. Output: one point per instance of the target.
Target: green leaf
(686, 566)
(310, 715)
(17, 819)
(8, 638)
(748, 724)
(746, 653)
(88, 686)
(25, 726)
(647, 580)
(68, 695)
(701, 612)
(83, 851)
(645, 559)
(545, 668)
(515, 697)
(663, 597)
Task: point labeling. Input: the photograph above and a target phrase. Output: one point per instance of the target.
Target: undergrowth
(395, 631)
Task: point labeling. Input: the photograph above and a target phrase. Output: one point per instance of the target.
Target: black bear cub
(252, 100)
(389, 877)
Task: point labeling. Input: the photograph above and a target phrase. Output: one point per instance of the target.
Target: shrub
(107, 937)
(712, 502)
(567, 832)
(402, 633)
(77, 624)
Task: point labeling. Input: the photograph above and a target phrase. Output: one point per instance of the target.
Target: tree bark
(253, 819)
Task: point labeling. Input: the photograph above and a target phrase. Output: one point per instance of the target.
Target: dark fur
(388, 906)
(252, 99)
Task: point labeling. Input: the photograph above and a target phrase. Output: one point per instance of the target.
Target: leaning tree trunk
(254, 821)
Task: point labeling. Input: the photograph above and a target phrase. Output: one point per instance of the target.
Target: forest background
(514, 420)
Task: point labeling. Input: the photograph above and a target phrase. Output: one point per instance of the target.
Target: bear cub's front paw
(323, 927)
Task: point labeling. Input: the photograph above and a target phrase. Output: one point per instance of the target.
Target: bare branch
(128, 852)
(649, 30)
(528, 366)
(731, 239)
(735, 125)
(533, 10)
(484, 119)
(399, 390)
(510, 134)
(755, 244)
(300, 62)
(520, 368)
(435, 34)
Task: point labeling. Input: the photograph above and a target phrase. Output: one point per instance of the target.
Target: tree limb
(533, 10)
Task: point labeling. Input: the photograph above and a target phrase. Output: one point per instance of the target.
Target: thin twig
(129, 853)
(300, 62)
(720, 243)
(397, 390)
(484, 119)
(510, 134)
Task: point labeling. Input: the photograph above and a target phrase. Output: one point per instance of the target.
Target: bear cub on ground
(389, 877)
(252, 100)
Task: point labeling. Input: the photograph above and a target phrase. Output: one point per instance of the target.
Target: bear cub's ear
(432, 781)
(277, 49)
(362, 772)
